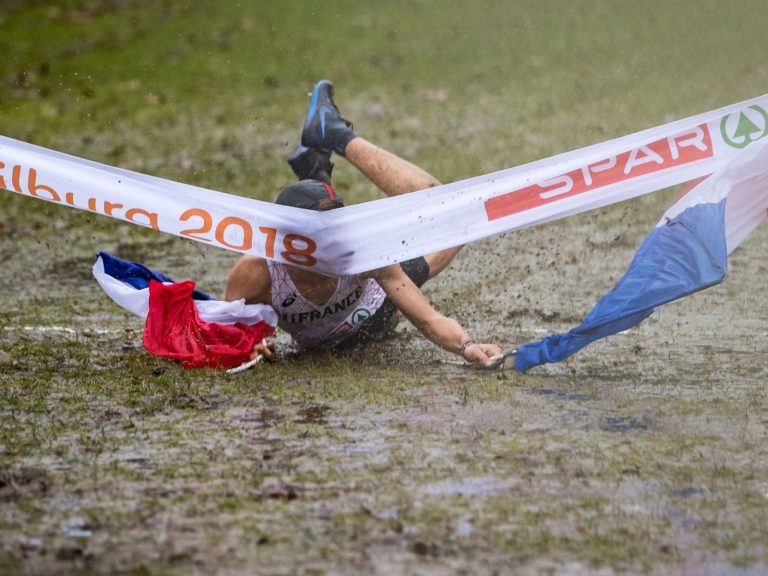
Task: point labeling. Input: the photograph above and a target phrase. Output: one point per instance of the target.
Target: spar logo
(740, 130)
(656, 156)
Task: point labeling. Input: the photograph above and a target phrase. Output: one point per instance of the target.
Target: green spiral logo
(751, 125)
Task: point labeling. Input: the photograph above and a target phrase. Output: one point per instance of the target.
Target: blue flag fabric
(138, 275)
(684, 255)
(686, 252)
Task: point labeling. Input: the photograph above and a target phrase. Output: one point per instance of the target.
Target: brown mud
(647, 453)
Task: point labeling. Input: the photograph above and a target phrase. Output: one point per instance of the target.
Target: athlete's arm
(445, 332)
(250, 279)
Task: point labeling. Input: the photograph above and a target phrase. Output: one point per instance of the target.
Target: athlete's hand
(267, 350)
(481, 353)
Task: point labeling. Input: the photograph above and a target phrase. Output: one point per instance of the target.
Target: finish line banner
(367, 236)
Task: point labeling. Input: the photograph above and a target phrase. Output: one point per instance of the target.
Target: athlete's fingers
(490, 349)
(482, 353)
(486, 359)
(268, 352)
(265, 349)
(475, 353)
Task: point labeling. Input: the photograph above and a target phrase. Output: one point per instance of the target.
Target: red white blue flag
(181, 322)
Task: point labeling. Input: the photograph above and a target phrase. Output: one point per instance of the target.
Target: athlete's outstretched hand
(481, 353)
(265, 348)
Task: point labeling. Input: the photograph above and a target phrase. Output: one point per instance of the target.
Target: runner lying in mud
(326, 312)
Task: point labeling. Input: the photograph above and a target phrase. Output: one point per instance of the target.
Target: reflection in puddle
(561, 395)
(472, 486)
(622, 425)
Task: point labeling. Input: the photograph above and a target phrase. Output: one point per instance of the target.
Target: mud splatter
(23, 481)
(313, 414)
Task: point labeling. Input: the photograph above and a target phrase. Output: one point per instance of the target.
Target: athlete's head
(310, 195)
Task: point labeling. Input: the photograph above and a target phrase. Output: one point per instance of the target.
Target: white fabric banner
(374, 234)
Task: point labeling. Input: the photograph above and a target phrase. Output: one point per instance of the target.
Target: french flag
(181, 322)
(686, 252)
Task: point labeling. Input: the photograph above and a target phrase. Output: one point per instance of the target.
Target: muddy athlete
(326, 312)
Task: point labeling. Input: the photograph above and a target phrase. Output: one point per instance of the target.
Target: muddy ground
(645, 453)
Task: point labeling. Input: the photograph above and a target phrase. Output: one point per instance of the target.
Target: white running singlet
(355, 300)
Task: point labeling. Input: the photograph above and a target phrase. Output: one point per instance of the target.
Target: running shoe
(324, 128)
(311, 164)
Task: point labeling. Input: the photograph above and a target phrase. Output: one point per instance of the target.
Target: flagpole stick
(500, 360)
(243, 367)
(250, 364)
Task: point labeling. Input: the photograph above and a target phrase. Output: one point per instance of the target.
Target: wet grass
(644, 454)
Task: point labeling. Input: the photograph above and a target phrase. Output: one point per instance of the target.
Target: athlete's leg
(325, 129)
(395, 176)
(392, 174)
(438, 261)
